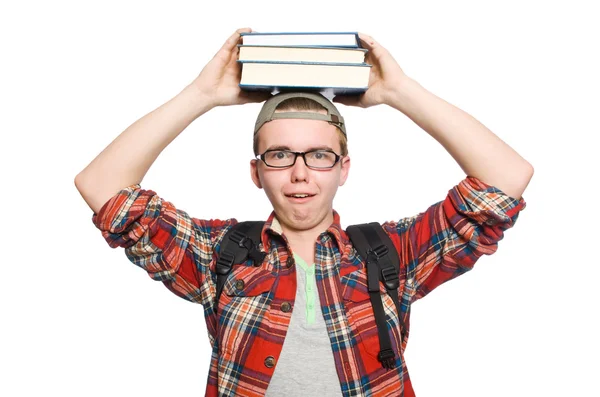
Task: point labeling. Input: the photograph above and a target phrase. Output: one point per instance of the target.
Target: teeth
(300, 195)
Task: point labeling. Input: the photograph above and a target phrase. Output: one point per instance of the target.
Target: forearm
(127, 159)
(477, 150)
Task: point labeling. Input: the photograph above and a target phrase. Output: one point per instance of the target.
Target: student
(311, 288)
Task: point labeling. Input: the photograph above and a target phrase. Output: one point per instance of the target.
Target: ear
(345, 169)
(254, 173)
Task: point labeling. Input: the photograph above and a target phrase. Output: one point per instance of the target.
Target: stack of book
(330, 62)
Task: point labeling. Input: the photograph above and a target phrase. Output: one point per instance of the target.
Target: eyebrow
(283, 147)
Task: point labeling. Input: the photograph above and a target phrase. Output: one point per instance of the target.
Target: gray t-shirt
(305, 367)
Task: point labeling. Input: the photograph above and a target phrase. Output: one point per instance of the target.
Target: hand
(385, 76)
(219, 80)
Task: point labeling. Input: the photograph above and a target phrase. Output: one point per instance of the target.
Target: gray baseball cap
(267, 113)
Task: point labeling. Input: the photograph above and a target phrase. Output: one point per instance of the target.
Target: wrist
(398, 95)
(198, 100)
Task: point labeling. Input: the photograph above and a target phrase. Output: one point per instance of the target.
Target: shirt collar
(272, 226)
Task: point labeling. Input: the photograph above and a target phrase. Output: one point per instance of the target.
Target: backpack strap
(239, 244)
(383, 263)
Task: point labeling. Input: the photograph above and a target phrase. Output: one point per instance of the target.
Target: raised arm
(447, 239)
(476, 149)
(126, 160)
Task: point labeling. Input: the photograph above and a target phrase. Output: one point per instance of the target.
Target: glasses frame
(302, 154)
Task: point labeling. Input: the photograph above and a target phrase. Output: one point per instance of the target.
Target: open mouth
(299, 197)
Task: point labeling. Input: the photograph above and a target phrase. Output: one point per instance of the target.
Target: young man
(311, 288)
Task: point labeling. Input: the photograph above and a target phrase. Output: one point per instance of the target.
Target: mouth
(300, 197)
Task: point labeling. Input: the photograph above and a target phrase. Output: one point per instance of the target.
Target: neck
(302, 241)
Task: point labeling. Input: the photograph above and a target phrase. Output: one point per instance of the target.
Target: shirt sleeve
(446, 240)
(166, 242)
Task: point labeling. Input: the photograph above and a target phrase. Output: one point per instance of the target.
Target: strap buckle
(387, 358)
(225, 263)
(243, 241)
(390, 277)
(376, 253)
(389, 274)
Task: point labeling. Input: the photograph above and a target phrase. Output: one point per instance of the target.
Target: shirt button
(239, 285)
(286, 307)
(290, 261)
(270, 362)
(491, 222)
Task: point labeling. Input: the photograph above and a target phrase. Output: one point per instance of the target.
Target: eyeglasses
(316, 159)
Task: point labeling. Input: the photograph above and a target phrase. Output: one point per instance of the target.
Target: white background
(79, 319)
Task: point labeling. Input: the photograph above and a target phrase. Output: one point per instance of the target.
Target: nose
(300, 170)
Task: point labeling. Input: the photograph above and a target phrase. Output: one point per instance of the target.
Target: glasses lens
(279, 158)
(320, 159)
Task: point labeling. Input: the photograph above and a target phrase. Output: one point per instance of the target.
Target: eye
(277, 155)
(320, 155)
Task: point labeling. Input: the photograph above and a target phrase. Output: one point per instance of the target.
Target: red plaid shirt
(434, 246)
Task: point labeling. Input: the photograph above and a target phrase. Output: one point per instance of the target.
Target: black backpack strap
(383, 263)
(239, 244)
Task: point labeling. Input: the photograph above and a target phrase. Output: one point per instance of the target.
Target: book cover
(337, 39)
(328, 92)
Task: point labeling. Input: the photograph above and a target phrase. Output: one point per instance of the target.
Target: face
(300, 135)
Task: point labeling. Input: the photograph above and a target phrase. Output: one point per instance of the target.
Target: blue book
(326, 39)
(325, 77)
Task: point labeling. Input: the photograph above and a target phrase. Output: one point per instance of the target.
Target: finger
(234, 39)
(347, 100)
(255, 96)
(367, 41)
(375, 49)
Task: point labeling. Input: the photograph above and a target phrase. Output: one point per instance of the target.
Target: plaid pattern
(178, 250)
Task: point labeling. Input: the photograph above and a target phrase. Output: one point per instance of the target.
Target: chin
(305, 219)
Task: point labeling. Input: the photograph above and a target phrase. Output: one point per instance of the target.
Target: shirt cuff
(485, 204)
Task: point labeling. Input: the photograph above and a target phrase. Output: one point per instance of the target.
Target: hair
(305, 105)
